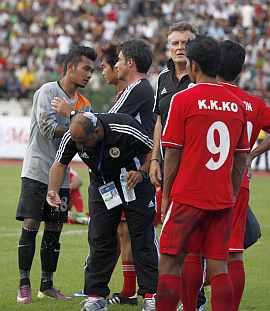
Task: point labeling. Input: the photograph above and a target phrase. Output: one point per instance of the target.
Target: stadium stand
(34, 35)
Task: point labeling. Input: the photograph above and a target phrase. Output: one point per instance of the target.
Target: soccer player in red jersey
(258, 117)
(206, 150)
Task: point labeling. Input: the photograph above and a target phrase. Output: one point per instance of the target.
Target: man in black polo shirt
(173, 79)
(108, 143)
(137, 100)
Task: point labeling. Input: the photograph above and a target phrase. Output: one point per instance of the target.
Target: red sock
(237, 275)
(221, 292)
(77, 201)
(168, 292)
(192, 279)
(149, 295)
(129, 273)
(180, 289)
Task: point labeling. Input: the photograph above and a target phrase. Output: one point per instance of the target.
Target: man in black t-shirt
(137, 99)
(108, 143)
(172, 79)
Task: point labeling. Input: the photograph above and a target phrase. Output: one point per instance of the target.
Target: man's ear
(97, 130)
(130, 62)
(70, 67)
(195, 67)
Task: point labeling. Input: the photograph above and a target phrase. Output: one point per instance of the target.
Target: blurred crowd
(36, 34)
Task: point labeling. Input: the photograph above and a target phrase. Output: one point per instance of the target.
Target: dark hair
(140, 52)
(205, 51)
(110, 54)
(182, 26)
(75, 54)
(232, 60)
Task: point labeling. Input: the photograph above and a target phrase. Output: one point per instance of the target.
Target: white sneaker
(99, 304)
(149, 304)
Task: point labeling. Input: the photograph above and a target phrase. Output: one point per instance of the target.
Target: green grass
(69, 276)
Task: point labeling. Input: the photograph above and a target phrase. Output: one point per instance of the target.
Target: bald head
(85, 129)
(87, 121)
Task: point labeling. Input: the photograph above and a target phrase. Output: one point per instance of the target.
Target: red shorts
(188, 229)
(157, 220)
(239, 215)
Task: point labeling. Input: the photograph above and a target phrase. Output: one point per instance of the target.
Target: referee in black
(107, 143)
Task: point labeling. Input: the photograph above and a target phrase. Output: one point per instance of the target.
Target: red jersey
(208, 123)
(257, 116)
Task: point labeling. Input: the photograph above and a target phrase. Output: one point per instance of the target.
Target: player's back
(257, 112)
(208, 123)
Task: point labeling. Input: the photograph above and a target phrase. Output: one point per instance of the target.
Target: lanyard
(100, 160)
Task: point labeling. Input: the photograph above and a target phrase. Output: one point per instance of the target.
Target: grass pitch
(69, 276)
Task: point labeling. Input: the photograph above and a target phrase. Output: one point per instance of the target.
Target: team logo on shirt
(114, 152)
(84, 155)
(164, 91)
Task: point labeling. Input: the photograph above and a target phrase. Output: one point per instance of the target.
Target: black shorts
(33, 204)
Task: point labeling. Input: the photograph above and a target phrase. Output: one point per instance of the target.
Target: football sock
(181, 287)
(26, 252)
(237, 275)
(168, 292)
(46, 279)
(149, 295)
(192, 279)
(49, 254)
(78, 201)
(221, 292)
(129, 274)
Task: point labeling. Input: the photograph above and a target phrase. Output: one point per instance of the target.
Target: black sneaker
(118, 298)
(202, 301)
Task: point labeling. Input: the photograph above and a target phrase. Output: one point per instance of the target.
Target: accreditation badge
(110, 195)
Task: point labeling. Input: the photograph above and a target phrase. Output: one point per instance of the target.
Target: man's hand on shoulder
(61, 106)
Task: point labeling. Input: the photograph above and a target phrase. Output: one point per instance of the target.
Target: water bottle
(129, 194)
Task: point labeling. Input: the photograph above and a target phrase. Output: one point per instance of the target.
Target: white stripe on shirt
(132, 131)
(120, 102)
(66, 138)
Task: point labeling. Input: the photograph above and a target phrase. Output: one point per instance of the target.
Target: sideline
(15, 233)
(17, 162)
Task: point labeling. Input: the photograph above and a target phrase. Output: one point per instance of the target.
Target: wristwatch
(72, 114)
(144, 174)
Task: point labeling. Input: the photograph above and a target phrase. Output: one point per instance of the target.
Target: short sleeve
(140, 142)
(67, 150)
(264, 117)
(173, 135)
(243, 142)
(156, 103)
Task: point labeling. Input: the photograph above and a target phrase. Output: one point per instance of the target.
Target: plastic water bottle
(129, 194)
